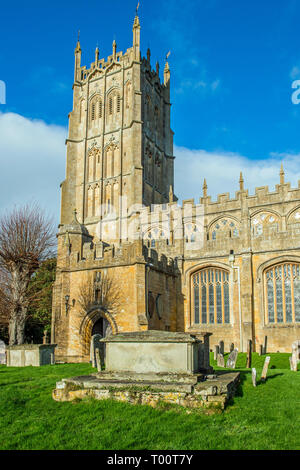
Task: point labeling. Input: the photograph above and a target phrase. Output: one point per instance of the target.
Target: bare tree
(26, 239)
(103, 292)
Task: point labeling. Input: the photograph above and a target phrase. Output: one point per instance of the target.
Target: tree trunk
(12, 330)
(20, 281)
(21, 326)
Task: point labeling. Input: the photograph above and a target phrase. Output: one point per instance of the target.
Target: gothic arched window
(282, 293)
(264, 221)
(210, 296)
(224, 227)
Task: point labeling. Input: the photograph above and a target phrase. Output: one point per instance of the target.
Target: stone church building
(229, 267)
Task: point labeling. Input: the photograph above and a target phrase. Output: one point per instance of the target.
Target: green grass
(265, 417)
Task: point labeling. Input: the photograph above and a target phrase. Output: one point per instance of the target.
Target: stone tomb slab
(152, 366)
(30, 355)
(215, 391)
(157, 352)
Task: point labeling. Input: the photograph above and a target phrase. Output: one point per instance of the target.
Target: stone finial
(204, 188)
(167, 74)
(136, 38)
(171, 195)
(281, 174)
(97, 54)
(241, 182)
(148, 55)
(78, 48)
(114, 46)
(157, 68)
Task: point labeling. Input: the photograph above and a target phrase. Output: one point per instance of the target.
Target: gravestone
(249, 354)
(98, 359)
(231, 361)
(254, 377)
(265, 369)
(216, 352)
(231, 347)
(95, 344)
(296, 350)
(220, 360)
(261, 350)
(265, 345)
(293, 364)
(221, 348)
(2, 352)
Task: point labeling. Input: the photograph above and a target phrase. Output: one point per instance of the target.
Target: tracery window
(282, 293)
(210, 296)
(155, 235)
(262, 221)
(225, 226)
(191, 232)
(95, 109)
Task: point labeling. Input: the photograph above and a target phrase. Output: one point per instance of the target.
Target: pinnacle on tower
(171, 195)
(241, 182)
(204, 188)
(157, 68)
(97, 54)
(167, 71)
(77, 60)
(78, 49)
(148, 55)
(281, 174)
(136, 36)
(114, 49)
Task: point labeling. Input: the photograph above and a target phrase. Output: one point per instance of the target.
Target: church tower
(120, 145)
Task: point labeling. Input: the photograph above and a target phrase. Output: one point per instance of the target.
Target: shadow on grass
(269, 377)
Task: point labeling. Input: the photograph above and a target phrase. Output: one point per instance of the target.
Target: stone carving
(265, 369)
(220, 360)
(254, 377)
(2, 352)
(231, 361)
(95, 344)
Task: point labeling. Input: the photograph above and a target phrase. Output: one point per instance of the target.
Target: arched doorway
(96, 321)
(101, 327)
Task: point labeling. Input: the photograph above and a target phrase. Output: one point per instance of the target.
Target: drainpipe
(237, 268)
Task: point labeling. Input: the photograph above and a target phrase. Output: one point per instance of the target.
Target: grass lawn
(261, 418)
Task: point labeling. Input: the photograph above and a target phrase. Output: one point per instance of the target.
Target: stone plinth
(158, 352)
(30, 355)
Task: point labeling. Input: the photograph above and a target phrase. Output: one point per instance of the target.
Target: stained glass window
(211, 303)
(283, 293)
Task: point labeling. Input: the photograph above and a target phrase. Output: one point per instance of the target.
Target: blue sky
(232, 62)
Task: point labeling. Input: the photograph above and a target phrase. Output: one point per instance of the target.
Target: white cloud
(222, 172)
(33, 155)
(32, 161)
(295, 72)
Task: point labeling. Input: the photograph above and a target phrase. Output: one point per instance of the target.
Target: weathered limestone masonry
(230, 267)
(152, 366)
